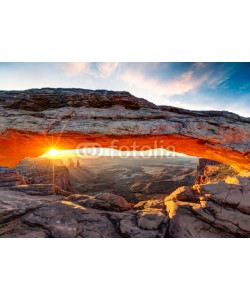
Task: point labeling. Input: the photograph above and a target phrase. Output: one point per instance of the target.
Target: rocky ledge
(31, 119)
(106, 215)
(219, 209)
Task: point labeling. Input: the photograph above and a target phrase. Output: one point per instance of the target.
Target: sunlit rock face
(220, 209)
(209, 171)
(31, 121)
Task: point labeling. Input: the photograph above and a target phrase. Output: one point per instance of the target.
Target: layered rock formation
(39, 171)
(212, 171)
(219, 209)
(31, 120)
(204, 163)
(10, 177)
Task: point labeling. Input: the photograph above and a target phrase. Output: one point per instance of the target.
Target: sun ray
(48, 145)
(48, 141)
(60, 134)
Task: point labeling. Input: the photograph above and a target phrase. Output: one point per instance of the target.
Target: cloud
(74, 68)
(184, 83)
(176, 79)
(96, 70)
(199, 65)
(149, 76)
(106, 69)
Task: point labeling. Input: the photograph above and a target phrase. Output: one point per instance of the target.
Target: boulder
(151, 220)
(104, 201)
(129, 228)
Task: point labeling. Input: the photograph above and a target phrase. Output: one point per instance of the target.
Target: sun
(52, 152)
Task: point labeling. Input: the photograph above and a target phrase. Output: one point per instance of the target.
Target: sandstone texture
(44, 210)
(209, 171)
(23, 215)
(219, 209)
(105, 201)
(31, 120)
(10, 177)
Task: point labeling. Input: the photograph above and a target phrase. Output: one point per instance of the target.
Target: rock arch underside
(28, 119)
(32, 120)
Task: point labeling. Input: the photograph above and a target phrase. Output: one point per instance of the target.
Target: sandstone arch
(31, 118)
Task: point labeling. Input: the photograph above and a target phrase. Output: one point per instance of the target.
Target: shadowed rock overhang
(31, 119)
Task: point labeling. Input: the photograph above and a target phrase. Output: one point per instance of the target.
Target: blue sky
(201, 86)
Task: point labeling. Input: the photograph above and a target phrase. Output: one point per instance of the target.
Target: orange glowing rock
(34, 121)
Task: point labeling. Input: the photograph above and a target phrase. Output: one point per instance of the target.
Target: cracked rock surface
(106, 215)
(219, 209)
(203, 210)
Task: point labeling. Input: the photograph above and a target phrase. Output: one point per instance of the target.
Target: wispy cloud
(102, 69)
(107, 68)
(178, 86)
(145, 76)
(74, 68)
